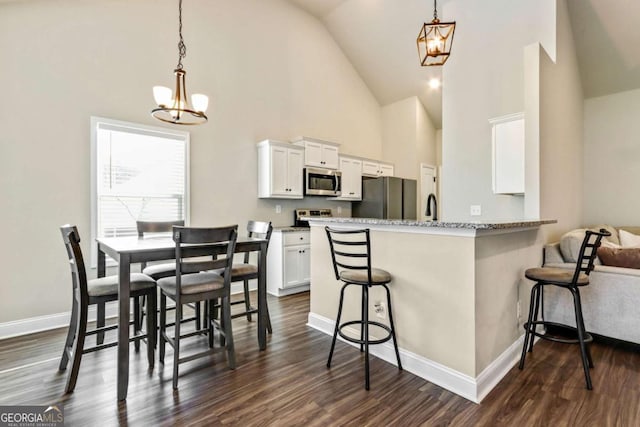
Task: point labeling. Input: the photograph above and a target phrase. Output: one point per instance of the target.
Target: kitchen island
(455, 294)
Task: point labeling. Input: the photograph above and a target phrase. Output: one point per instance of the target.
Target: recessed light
(434, 83)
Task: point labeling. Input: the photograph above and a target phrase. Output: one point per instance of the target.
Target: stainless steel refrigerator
(387, 198)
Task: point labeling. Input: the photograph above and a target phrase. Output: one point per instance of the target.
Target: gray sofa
(611, 301)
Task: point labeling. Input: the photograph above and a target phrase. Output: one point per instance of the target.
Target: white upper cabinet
(351, 169)
(508, 154)
(318, 153)
(375, 168)
(280, 166)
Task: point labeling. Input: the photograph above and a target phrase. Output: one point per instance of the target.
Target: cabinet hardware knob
(302, 238)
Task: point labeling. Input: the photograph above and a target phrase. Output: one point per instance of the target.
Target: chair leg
(100, 322)
(151, 328)
(209, 315)
(176, 345)
(527, 326)
(365, 325)
(335, 330)
(268, 320)
(536, 309)
(581, 336)
(363, 307)
(143, 309)
(393, 328)
(81, 333)
(71, 335)
(205, 315)
(228, 332)
(198, 321)
(247, 301)
(137, 325)
(163, 327)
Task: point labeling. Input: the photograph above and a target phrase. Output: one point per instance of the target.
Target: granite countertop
(472, 225)
(290, 229)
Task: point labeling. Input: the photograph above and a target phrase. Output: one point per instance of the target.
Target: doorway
(427, 186)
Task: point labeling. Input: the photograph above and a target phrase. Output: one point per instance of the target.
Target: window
(138, 173)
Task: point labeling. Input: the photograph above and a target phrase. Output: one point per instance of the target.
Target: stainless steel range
(299, 213)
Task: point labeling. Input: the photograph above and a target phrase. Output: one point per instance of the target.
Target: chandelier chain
(182, 48)
(435, 9)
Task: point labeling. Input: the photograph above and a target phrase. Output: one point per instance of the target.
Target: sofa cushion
(620, 257)
(629, 240)
(570, 244)
(614, 238)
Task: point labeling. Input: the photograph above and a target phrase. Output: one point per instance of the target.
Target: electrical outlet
(339, 209)
(476, 210)
(380, 309)
(278, 209)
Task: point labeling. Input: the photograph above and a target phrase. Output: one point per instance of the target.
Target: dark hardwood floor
(288, 385)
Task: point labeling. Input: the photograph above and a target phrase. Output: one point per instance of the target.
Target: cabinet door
(356, 180)
(313, 154)
(279, 171)
(294, 172)
(305, 264)
(370, 168)
(386, 170)
(292, 269)
(329, 157)
(508, 155)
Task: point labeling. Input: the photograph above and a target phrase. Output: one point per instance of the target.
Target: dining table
(133, 249)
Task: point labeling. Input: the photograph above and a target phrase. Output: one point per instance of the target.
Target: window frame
(143, 130)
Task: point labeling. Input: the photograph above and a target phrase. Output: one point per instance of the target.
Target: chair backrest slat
(350, 250)
(156, 226)
(258, 229)
(219, 236)
(588, 252)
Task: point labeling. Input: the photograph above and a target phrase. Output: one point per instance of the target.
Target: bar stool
(351, 256)
(571, 281)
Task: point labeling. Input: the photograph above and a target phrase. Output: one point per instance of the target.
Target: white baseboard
(50, 321)
(61, 320)
(473, 389)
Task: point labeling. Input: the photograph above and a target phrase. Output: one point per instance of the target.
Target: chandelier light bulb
(162, 95)
(200, 102)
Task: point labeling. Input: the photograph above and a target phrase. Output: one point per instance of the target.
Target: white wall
(484, 78)
(611, 153)
(408, 137)
(270, 70)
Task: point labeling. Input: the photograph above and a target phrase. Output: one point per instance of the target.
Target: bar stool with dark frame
(351, 257)
(97, 291)
(572, 281)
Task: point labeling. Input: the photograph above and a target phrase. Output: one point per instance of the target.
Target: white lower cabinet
(288, 262)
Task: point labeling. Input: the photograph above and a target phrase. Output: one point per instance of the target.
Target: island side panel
(432, 292)
(501, 261)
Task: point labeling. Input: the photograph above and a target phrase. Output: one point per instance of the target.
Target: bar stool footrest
(362, 324)
(587, 336)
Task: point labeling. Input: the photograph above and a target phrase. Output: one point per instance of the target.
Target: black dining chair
(162, 270)
(97, 291)
(245, 271)
(194, 282)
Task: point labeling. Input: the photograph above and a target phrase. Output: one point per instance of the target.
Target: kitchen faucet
(435, 207)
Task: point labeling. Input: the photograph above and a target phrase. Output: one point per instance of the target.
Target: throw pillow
(620, 257)
(629, 240)
(570, 244)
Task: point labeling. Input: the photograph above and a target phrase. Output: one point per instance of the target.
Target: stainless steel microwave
(322, 182)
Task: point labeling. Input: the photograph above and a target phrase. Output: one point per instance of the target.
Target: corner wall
(484, 78)
(611, 153)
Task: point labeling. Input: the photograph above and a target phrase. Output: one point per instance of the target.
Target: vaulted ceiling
(378, 37)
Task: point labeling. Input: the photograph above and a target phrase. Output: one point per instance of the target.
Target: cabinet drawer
(297, 238)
